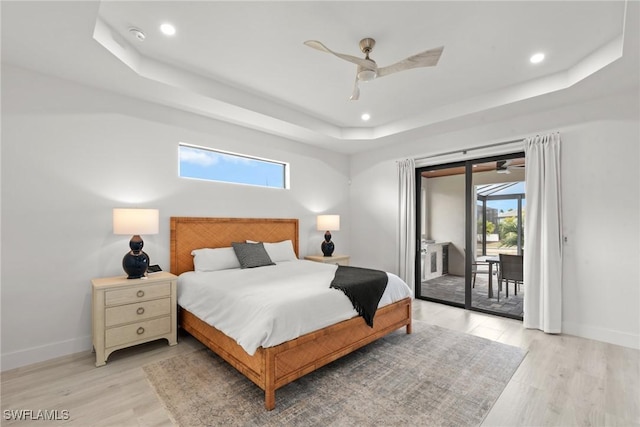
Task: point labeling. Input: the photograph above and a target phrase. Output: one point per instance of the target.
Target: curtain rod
(465, 150)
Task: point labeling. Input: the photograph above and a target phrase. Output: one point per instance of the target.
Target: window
(214, 165)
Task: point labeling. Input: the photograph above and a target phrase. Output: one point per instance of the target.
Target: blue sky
(504, 205)
(215, 166)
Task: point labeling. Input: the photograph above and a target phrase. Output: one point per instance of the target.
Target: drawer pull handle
(140, 310)
(140, 293)
(140, 330)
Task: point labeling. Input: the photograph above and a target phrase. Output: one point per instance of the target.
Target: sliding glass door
(441, 234)
(468, 214)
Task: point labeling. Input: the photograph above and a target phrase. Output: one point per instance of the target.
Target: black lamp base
(135, 265)
(327, 246)
(135, 262)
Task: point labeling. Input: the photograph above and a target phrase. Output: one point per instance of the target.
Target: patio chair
(483, 269)
(511, 269)
(480, 267)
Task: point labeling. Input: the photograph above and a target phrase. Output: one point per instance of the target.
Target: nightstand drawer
(137, 293)
(139, 311)
(137, 331)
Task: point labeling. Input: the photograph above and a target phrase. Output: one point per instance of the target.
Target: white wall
(70, 154)
(600, 188)
(601, 198)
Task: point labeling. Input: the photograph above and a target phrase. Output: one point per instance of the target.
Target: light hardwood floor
(562, 381)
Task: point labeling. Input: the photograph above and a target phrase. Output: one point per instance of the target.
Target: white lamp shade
(328, 223)
(135, 221)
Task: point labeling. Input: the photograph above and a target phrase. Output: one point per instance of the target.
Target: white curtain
(543, 235)
(407, 220)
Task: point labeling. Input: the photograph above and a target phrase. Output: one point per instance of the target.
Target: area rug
(432, 377)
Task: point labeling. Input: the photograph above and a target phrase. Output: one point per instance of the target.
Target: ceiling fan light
(366, 75)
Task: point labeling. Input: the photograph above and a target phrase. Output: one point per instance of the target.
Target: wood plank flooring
(563, 380)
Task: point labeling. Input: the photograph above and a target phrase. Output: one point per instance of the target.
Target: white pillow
(208, 259)
(278, 252)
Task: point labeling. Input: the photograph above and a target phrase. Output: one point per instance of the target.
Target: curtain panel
(543, 235)
(407, 220)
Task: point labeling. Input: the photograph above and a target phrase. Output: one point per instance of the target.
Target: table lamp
(328, 223)
(135, 222)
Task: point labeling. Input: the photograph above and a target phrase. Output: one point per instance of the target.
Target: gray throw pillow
(251, 255)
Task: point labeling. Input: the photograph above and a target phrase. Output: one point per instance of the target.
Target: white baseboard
(42, 353)
(601, 334)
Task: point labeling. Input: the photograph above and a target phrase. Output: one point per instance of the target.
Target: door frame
(469, 220)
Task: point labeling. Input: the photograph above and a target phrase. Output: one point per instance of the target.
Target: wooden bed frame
(273, 367)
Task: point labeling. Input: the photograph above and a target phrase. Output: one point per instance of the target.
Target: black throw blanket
(363, 286)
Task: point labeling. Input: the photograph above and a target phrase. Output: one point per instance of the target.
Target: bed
(272, 367)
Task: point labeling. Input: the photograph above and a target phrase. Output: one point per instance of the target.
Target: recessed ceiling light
(167, 29)
(537, 58)
(365, 116)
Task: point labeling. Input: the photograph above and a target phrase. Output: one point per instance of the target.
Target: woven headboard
(189, 233)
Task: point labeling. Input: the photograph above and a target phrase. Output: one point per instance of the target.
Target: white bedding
(266, 306)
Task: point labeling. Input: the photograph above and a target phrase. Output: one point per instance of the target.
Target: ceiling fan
(506, 166)
(369, 70)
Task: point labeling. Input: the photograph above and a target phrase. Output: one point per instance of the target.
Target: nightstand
(127, 312)
(335, 259)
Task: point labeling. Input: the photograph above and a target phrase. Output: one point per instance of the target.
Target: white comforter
(266, 306)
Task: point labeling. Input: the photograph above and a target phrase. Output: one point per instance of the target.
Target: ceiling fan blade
(513, 164)
(355, 95)
(366, 63)
(427, 58)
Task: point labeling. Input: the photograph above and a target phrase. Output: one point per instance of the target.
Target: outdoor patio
(451, 288)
